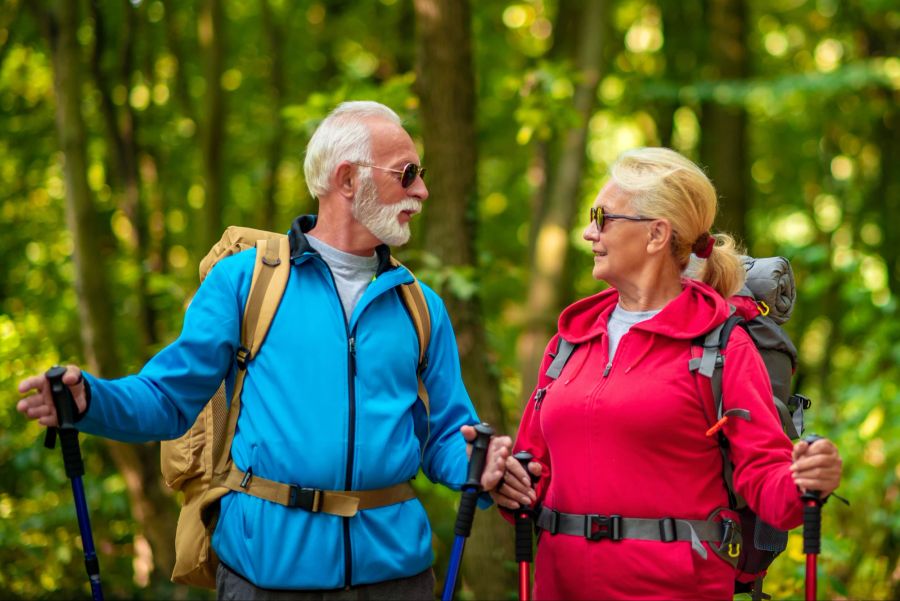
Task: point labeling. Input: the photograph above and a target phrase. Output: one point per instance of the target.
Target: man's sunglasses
(600, 218)
(407, 174)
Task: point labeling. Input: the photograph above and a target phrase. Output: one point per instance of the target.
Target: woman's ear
(659, 236)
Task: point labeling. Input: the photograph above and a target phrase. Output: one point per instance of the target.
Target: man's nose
(418, 189)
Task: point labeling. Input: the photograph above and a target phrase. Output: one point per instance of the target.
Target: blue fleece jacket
(309, 416)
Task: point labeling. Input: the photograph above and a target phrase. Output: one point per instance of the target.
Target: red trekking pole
(524, 530)
(812, 532)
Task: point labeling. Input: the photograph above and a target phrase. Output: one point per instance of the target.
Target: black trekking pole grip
(812, 514)
(812, 532)
(524, 516)
(65, 416)
(812, 526)
(472, 486)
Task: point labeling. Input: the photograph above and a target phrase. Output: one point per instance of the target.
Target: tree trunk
(723, 137)
(273, 32)
(547, 258)
(446, 86)
(682, 56)
(211, 34)
(121, 129)
(91, 284)
(139, 464)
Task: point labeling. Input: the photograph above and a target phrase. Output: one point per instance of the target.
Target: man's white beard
(380, 219)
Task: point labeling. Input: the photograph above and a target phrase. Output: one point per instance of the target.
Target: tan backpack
(199, 463)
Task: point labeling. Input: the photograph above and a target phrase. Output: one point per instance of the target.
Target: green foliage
(821, 109)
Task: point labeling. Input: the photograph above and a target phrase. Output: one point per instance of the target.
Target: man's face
(381, 203)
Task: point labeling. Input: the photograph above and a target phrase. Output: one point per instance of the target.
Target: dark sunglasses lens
(409, 175)
(597, 217)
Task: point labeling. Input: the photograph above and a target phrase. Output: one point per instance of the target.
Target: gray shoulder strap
(706, 363)
(564, 350)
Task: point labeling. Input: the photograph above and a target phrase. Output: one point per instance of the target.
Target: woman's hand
(816, 466)
(515, 489)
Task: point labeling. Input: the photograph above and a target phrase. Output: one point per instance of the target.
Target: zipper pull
(352, 350)
(717, 426)
(539, 398)
(606, 370)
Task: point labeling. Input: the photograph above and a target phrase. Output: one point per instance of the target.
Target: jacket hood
(692, 313)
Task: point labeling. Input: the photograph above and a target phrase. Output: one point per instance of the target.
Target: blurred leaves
(824, 191)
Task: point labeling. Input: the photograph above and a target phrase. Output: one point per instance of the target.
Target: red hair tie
(703, 247)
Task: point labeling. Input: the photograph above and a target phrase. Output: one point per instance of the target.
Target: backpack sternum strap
(345, 503)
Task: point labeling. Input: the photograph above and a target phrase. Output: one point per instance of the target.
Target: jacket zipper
(351, 441)
(351, 431)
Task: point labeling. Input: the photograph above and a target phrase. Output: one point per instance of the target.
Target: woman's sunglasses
(407, 174)
(600, 218)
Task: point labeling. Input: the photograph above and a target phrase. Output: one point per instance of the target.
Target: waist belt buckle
(602, 526)
(309, 499)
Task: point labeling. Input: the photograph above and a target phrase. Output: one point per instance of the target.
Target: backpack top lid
(770, 280)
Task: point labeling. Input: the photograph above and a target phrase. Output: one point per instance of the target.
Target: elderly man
(332, 403)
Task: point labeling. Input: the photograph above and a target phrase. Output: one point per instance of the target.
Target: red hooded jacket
(630, 440)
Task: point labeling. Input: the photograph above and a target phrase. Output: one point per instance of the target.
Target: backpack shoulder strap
(270, 276)
(414, 300)
(710, 364)
(564, 350)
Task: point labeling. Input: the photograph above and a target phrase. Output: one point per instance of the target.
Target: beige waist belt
(345, 503)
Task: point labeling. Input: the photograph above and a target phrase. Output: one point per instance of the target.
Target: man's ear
(343, 180)
(659, 236)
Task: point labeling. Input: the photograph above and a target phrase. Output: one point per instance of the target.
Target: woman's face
(621, 248)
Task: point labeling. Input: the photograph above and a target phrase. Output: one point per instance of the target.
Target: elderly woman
(622, 430)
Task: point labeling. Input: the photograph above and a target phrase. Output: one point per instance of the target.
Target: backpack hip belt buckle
(598, 526)
(309, 499)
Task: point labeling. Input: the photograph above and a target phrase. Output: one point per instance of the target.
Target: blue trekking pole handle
(68, 438)
(466, 514)
(812, 532)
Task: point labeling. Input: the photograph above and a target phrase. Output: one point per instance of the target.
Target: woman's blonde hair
(663, 184)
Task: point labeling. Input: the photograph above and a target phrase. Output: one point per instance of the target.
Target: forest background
(134, 131)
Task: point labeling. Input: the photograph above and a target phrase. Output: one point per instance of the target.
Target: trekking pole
(524, 529)
(466, 513)
(71, 451)
(812, 531)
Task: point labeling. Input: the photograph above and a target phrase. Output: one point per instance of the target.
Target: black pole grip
(524, 516)
(524, 528)
(812, 528)
(524, 458)
(65, 415)
(62, 398)
(472, 486)
(812, 514)
(71, 452)
(466, 514)
(483, 433)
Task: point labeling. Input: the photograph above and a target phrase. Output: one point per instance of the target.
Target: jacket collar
(300, 245)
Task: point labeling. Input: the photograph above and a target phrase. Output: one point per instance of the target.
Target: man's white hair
(342, 136)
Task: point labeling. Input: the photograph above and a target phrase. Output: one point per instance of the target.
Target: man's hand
(515, 488)
(39, 404)
(816, 466)
(495, 461)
